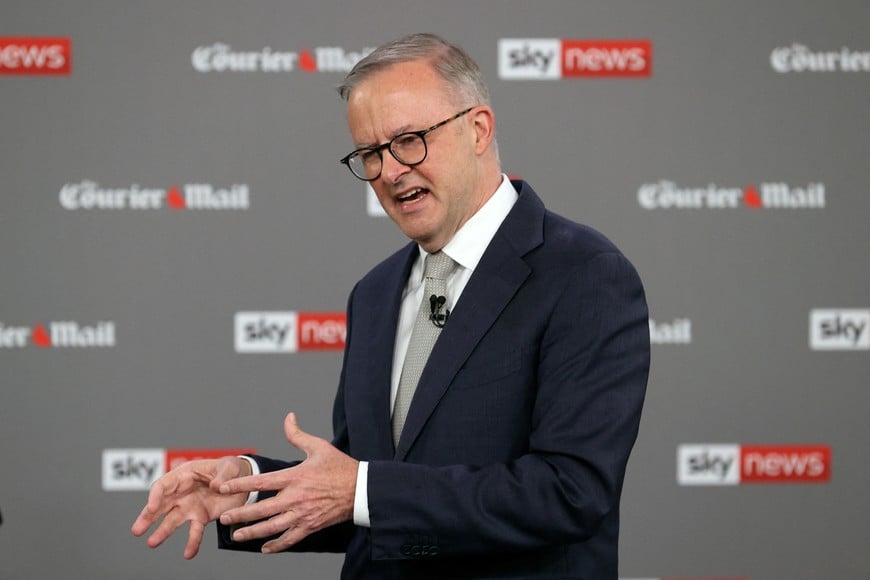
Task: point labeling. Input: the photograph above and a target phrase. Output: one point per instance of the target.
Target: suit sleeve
(592, 368)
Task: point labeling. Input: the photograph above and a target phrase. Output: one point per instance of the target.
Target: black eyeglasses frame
(389, 146)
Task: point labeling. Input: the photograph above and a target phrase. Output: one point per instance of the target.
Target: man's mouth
(412, 195)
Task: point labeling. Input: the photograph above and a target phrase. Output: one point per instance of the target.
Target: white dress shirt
(466, 248)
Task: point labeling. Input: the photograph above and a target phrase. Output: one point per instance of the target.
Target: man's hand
(190, 492)
(315, 494)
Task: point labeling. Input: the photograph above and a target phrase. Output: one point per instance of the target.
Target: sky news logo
(553, 58)
(58, 334)
(840, 329)
(35, 56)
(89, 195)
(731, 464)
(137, 469)
(221, 57)
(768, 195)
(288, 332)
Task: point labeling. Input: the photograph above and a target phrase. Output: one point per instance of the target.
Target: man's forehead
(376, 111)
(411, 79)
(376, 125)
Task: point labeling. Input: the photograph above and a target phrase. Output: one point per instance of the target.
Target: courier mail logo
(58, 334)
(768, 195)
(288, 332)
(137, 469)
(731, 464)
(35, 56)
(89, 195)
(552, 58)
(221, 57)
(798, 58)
(840, 329)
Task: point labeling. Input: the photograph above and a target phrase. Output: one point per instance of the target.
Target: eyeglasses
(407, 148)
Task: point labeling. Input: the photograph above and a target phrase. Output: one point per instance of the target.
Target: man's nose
(392, 169)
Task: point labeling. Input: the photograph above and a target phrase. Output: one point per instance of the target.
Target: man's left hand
(317, 493)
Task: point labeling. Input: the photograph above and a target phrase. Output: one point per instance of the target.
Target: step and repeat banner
(178, 240)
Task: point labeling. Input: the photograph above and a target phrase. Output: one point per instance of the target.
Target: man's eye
(368, 156)
(405, 140)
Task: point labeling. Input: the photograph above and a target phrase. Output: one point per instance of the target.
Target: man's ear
(483, 119)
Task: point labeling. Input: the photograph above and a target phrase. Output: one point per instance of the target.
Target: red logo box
(322, 330)
(606, 58)
(175, 457)
(785, 463)
(35, 56)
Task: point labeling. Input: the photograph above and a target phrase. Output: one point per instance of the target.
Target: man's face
(430, 201)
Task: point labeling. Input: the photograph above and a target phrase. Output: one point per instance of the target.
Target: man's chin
(412, 226)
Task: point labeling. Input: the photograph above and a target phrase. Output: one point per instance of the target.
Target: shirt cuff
(255, 470)
(361, 497)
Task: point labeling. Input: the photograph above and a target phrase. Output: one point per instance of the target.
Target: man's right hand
(190, 492)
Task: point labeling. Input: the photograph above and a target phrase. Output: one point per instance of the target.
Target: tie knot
(438, 265)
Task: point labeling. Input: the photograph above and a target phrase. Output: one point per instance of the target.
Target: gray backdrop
(148, 356)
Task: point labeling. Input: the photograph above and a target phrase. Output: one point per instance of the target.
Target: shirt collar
(467, 246)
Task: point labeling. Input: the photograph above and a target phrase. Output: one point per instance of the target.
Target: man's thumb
(296, 436)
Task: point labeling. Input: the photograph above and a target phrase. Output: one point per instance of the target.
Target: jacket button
(419, 550)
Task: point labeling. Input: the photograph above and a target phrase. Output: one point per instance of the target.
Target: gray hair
(452, 63)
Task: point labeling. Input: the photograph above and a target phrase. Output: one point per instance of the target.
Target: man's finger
(296, 436)
(145, 520)
(170, 523)
(251, 513)
(194, 539)
(274, 525)
(263, 482)
(287, 539)
(155, 497)
(154, 508)
(228, 469)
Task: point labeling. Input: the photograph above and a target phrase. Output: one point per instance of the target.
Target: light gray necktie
(423, 337)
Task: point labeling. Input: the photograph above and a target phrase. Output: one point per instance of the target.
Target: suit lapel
(370, 399)
(496, 279)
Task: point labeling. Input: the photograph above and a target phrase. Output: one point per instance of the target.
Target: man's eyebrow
(396, 133)
(400, 130)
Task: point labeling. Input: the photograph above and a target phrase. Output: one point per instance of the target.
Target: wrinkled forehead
(415, 71)
(402, 97)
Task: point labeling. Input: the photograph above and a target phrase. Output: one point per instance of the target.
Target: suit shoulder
(571, 248)
(564, 236)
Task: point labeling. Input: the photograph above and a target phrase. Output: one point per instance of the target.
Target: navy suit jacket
(513, 454)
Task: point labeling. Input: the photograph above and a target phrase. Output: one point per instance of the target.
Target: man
(506, 457)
